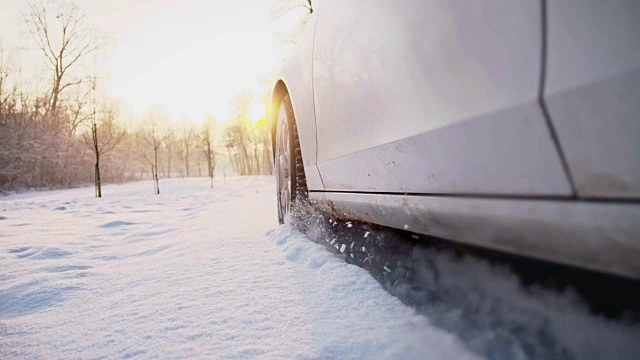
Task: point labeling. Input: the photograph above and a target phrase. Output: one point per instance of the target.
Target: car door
(433, 96)
(592, 91)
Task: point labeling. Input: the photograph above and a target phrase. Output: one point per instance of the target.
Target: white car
(512, 125)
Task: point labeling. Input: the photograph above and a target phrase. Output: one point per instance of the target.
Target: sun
(257, 112)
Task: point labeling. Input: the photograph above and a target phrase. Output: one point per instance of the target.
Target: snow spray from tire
(500, 306)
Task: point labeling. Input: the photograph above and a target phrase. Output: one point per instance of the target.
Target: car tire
(291, 181)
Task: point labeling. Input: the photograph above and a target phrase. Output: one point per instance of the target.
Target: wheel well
(279, 91)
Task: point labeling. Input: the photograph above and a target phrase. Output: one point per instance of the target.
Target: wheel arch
(279, 91)
(301, 97)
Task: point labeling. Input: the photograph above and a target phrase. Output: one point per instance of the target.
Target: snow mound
(116, 223)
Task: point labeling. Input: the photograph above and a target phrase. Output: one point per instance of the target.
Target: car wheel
(292, 183)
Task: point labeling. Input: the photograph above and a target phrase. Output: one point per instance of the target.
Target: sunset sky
(190, 56)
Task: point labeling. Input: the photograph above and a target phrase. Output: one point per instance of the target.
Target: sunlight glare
(195, 60)
(257, 112)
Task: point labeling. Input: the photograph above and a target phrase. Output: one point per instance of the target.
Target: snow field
(191, 273)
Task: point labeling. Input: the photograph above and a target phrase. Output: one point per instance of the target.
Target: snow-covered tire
(291, 181)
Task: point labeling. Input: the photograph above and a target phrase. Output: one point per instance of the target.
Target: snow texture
(190, 273)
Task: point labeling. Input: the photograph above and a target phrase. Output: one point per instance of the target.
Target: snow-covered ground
(193, 272)
(207, 273)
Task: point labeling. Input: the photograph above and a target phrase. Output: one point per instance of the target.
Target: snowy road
(201, 273)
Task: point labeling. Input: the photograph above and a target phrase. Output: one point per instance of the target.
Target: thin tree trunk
(247, 160)
(55, 92)
(255, 154)
(168, 162)
(153, 178)
(186, 160)
(231, 159)
(199, 160)
(155, 160)
(210, 160)
(94, 130)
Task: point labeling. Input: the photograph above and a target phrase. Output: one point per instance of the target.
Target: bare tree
(59, 30)
(262, 133)
(4, 76)
(152, 139)
(40, 117)
(237, 133)
(256, 146)
(9, 147)
(104, 137)
(149, 142)
(187, 135)
(207, 146)
(77, 109)
(248, 142)
(169, 142)
(9, 89)
(237, 141)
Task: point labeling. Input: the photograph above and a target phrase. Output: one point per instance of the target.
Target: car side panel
(599, 235)
(297, 77)
(592, 93)
(463, 158)
(433, 96)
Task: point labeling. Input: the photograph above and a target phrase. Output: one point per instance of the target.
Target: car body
(511, 125)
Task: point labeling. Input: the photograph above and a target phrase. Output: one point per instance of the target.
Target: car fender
(296, 79)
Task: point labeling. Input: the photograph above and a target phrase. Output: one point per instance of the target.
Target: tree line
(60, 130)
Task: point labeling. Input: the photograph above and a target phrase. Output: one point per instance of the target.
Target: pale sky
(190, 56)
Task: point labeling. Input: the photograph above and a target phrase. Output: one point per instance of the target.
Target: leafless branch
(63, 39)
